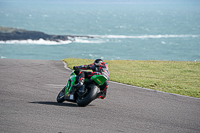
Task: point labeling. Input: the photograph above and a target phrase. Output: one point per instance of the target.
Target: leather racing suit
(101, 69)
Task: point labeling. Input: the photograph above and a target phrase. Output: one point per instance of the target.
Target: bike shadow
(55, 103)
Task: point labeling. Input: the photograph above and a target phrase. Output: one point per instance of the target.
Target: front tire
(90, 96)
(61, 96)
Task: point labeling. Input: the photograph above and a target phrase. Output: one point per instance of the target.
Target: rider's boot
(81, 87)
(102, 94)
(82, 90)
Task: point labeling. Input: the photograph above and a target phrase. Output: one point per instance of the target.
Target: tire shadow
(55, 103)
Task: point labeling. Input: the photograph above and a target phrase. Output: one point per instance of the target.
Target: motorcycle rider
(99, 67)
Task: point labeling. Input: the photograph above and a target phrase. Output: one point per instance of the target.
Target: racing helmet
(98, 61)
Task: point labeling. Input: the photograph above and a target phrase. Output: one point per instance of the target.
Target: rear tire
(90, 96)
(61, 96)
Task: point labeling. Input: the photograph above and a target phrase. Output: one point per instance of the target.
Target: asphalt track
(28, 90)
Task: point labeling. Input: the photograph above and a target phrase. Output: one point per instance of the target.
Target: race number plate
(72, 97)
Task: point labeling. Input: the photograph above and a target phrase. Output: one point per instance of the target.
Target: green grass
(179, 77)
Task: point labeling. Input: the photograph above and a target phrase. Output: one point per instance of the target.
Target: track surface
(28, 91)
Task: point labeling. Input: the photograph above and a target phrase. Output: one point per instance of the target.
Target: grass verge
(179, 77)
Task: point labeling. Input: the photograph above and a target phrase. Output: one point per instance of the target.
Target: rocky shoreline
(20, 34)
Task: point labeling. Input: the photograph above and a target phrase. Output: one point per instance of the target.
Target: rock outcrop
(20, 34)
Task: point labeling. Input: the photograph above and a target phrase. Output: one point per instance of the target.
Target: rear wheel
(61, 96)
(88, 97)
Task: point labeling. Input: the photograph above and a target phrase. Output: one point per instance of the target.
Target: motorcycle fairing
(99, 79)
(69, 93)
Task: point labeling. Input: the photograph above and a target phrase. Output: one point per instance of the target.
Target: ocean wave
(3, 57)
(93, 40)
(48, 42)
(40, 41)
(143, 36)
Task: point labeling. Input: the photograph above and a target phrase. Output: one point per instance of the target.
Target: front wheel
(61, 96)
(89, 97)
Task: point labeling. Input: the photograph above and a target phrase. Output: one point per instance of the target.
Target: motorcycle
(92, 90)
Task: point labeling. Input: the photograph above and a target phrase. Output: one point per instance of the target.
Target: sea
(166, 30)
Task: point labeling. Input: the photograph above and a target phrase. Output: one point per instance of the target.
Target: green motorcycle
(92, 90)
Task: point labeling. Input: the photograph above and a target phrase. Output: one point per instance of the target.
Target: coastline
(8, 34)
